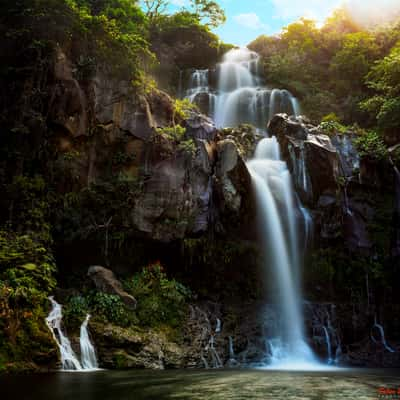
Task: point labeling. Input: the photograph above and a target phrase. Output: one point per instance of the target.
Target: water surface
(210, 385)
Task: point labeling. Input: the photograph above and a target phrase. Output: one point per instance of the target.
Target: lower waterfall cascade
(279, 238)
(69, 360)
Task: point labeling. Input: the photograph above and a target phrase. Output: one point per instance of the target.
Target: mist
(373, 12)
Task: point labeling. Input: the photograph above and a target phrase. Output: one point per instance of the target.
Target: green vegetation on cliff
(51, 50)
(85, 132)
(345, 69)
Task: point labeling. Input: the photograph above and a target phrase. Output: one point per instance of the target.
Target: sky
(248, 19)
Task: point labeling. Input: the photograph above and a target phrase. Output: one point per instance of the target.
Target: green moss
(120, 360)
(26, 279)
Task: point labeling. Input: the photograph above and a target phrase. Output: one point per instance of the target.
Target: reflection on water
(210, 385)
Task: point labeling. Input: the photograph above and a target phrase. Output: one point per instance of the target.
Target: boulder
(121, 348)
(105, 281)
(231, 173)
(198, 126)
(322, 164)
(284, 127)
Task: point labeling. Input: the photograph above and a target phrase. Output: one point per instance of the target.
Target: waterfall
(239, 96)
(216, 360)
(338, 354)
(231, 352)
(278, 229)
(379, 327)
(307, 225)
(299, 169)
(328, 344)
(199, 92)
(218, 326)
(69, 360)
(88, 355)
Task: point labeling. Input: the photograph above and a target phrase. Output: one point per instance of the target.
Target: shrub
(331, 117)
(332, 127)
(160, 300)
(371, 145)
(176, 134)
(26, 279)
(108, 307)
(75, 311)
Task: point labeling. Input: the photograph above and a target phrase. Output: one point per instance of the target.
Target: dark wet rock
(395, 239)
(233, 177)
(322, 163)
(281, 125)
(202, 100)
(116, 104)
(105, 281)
(245, 137)
(323, 168)
(68, 108)
(326, 201)
(298, 139)
(349, 157)
(199, 126)
(355, 232)
(370, 172)
(175, 200)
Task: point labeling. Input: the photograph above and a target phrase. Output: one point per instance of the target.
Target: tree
(353, 61)
(155, 8)
(384, 79)
(210, 11)
(207, 11)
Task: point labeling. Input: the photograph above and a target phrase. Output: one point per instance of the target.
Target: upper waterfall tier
(239, 95)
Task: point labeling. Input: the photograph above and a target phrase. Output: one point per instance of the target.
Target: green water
(221, 384)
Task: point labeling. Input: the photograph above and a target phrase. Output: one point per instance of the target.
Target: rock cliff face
(326, 180)
(194, 193)
(106, 120)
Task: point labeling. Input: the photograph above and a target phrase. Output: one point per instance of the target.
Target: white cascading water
(275, 198)
(88, 354)
(240, 96)
(328, 345)
(381, 331)
(69, 360)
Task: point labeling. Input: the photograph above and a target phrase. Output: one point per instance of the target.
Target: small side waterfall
(231, 352)
(278, 229)
(328, 345)
(218, 326)
(88, 355)
(381, 331)
(199, 91)
(69, 360)
(299, 169)
(216, 360)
